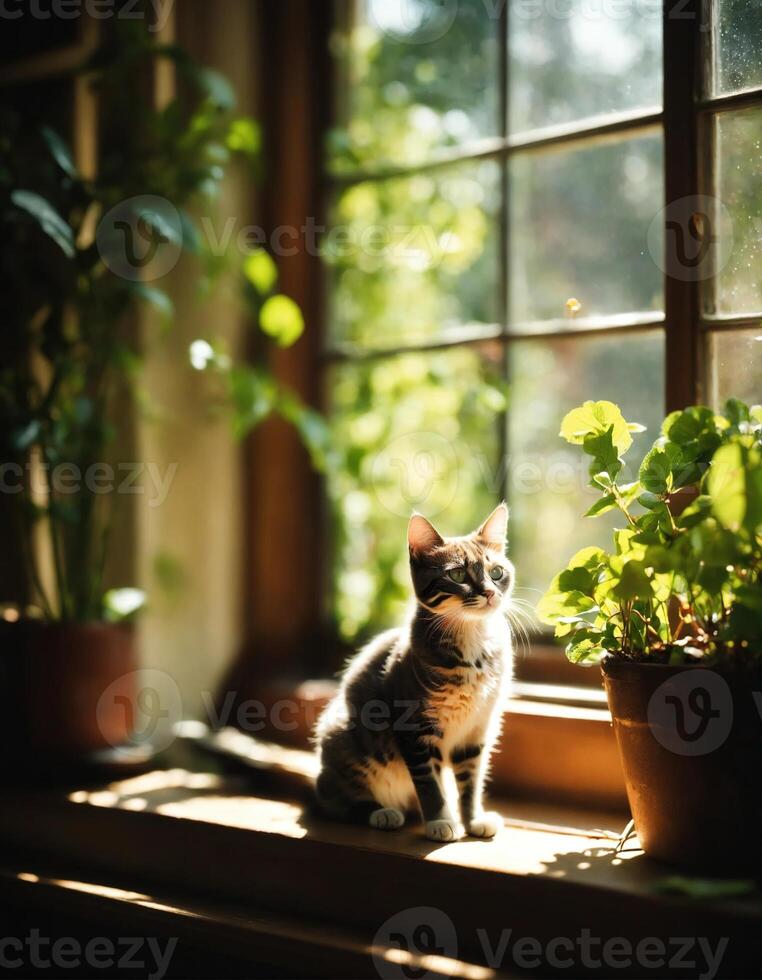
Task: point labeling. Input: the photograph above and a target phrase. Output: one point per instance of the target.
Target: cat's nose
(490, 595)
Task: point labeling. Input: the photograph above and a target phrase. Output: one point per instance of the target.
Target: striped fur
(419, 708)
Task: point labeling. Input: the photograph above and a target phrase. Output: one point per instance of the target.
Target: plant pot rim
(613, 666)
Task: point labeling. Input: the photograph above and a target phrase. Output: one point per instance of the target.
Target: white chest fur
(469, 710)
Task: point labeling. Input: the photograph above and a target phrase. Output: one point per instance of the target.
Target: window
(732, 136)
(500, 250)
(492, 186)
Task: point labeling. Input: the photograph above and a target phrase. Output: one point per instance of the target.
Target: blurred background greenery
(425, 253)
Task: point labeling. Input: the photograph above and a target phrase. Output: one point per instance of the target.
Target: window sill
(200, 848)
(557, 742)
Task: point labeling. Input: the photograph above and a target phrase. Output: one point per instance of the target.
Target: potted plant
(673, 613)
(74, 275)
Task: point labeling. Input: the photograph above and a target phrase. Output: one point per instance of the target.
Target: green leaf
(649, 500)
(191, 238)
(596, 418)
(704, 887)
(634, 582)
(686, 426)
(572, 591)
(281, 319)
(727, 486)
(578, 579)
(556, 605)
(585, 647)
(84, 410)
(164, 224)
(605, 458)
(697, 512)
(315, 435)
(744, 623)
(253, 393)
(661, 559)
(713, 578)
(591, 557)
(656, 470)
(623, 540)
(261, 271)
(22, 439)
(155, 297)
(49, 220)
(750, 596)
(602, 506)
(629, 491)
(216, 88)
(245, 136)
(60, 151)
(736, 411)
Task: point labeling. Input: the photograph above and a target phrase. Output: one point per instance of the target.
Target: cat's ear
(422, 536)
(494, 529)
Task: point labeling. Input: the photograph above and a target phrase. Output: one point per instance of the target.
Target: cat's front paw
(443, 830)
(388, 818)
(485, 825)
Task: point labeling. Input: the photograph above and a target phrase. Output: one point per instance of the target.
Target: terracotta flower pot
(690, 739)
(66, 689)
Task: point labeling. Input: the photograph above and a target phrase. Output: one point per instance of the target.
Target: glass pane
(739, 177)
(421, 76)
(415, 257)
(735, 366)
(419, 432)
(547, 479)
(737, 45)
(577, 59)
(580, 220)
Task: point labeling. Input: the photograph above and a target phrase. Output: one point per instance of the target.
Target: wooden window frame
(546, 663)
(297, 34)
(568, 721)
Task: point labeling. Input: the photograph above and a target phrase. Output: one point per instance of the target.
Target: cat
(426, 696)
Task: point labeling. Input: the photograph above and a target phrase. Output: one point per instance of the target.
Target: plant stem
(26, 527)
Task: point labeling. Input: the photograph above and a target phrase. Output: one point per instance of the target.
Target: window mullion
(504, 232)
(682, 76)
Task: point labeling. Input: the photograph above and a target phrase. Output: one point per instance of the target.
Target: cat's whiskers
(520, 615)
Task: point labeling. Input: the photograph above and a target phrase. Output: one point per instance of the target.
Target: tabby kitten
(428, 695)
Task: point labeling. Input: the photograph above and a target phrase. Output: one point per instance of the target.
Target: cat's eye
(457, 575)
(496, 573)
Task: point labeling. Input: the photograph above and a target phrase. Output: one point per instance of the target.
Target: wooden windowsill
(228, 843)
(557, 742)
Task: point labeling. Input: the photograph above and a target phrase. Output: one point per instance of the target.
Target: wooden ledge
(557, 740)
(213, 837)
(220, 930)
